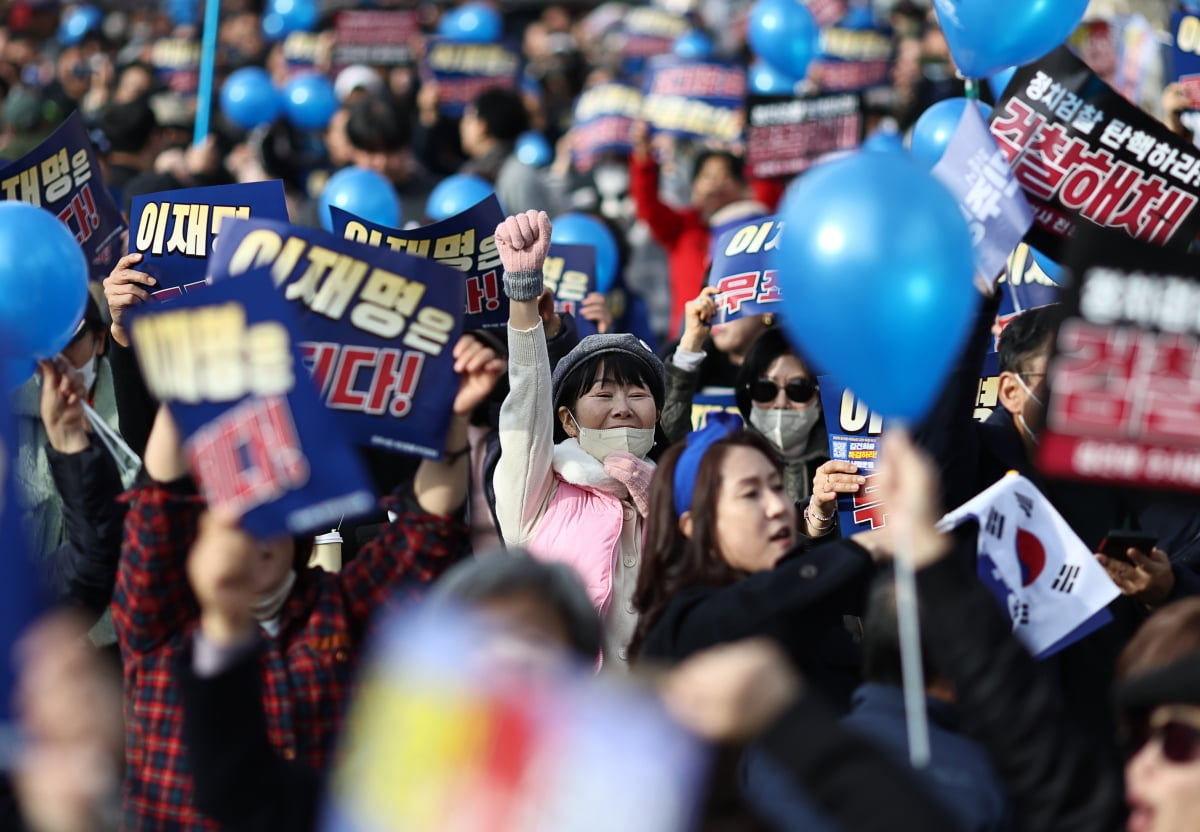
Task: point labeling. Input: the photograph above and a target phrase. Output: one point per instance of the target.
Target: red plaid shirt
(307, 669)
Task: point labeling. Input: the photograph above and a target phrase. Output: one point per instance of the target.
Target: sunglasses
(798, 390)
(1180, 742)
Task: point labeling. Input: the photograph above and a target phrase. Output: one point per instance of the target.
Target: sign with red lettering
(604, 117)
(227, 361)
(466, 242)
(63, 176)
(785, 136)
(855, 435)
(379, 328)
(463, 70)
(1080, 150)
(1124, 381)
(745, 285)
(694, 99)
(570, 272)
(853, 59)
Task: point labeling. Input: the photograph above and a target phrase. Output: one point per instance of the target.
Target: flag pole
(208, 61)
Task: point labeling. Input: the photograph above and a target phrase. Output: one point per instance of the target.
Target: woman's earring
(768, 320)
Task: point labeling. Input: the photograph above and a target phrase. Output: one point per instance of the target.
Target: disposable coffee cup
(327, 551)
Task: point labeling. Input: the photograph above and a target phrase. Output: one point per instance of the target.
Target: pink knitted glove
(523, 242)
(635, 474)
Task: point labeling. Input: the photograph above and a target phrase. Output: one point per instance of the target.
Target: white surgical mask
(83, 377)
(785, 427)
(602, 442)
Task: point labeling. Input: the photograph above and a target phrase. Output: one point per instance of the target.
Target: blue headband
(718, 426)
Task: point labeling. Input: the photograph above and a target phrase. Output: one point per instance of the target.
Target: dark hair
(881, 637)
(1166, 637)
(502, 113)
(129, 127)
(736, 165)
(504, 574)
(671, 562)
(375, 127)
(1025, 336)
(302, 549)
(617, 367)
(771, 344)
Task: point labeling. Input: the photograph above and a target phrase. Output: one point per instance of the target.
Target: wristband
(523, 285)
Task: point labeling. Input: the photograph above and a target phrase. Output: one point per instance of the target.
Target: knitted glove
(635, 474)
(523, 242)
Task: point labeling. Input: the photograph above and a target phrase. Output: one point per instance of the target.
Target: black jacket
(136, 408)
(800, 604)
(83, 570)
(239, 780)
(1057, 773)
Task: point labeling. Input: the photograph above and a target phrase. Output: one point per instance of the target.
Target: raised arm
(665, 223)
(683, 370)
(152, 600)
(525, 473)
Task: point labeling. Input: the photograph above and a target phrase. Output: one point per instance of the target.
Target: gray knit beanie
(595, 345)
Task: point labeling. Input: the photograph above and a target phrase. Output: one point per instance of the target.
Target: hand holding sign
(832, 479)
(227, 568)
(697, 321)
(123, 290)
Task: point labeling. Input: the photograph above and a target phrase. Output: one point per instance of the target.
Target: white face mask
(602, 442)
(84, 377)
(785, 427)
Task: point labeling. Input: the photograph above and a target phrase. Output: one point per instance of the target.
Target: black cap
(1177, 683)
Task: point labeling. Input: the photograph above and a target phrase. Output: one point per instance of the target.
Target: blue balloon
(858, 18)
(14, 372)
(292, 16)
(986, 36)
(876, 264)
(455, 194)
(999, 81)
(272, 27)
(43, 282)
(79, 22)
(784, 34)
(764, 79)
(472, 23)
(248, 99)
(309, 101)
(936, 127)
(184, 12)
(584, 229)
(362, 192)
(693, 45)
(534, 150)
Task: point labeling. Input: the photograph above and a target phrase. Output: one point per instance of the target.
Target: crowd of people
(199, 678)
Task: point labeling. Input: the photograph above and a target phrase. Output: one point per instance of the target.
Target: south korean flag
(1041, 572)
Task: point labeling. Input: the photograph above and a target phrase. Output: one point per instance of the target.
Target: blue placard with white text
(570, 272)
(176, 231)
(227, 360)
(379, 328)
(1186, 54)
(466, 242)
(745, 285)
(855, 435)
(63, 175)
(463, 70)
(694, 99)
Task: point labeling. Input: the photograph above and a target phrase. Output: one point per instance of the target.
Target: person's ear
(687, 525)
(568, 423)
(1011, 394)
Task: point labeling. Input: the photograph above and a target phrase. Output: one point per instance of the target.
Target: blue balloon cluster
(785, 35)
(455, 194)
(934, 129)
(584, 229)
(986, 36)
(43, 291)
(362, 192)
(471, 23)
(876, 264)
(78, 23)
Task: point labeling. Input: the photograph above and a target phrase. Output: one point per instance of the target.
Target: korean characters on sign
(745, 286)
(855, 435)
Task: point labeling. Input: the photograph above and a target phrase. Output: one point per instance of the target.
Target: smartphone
(1117, 541)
